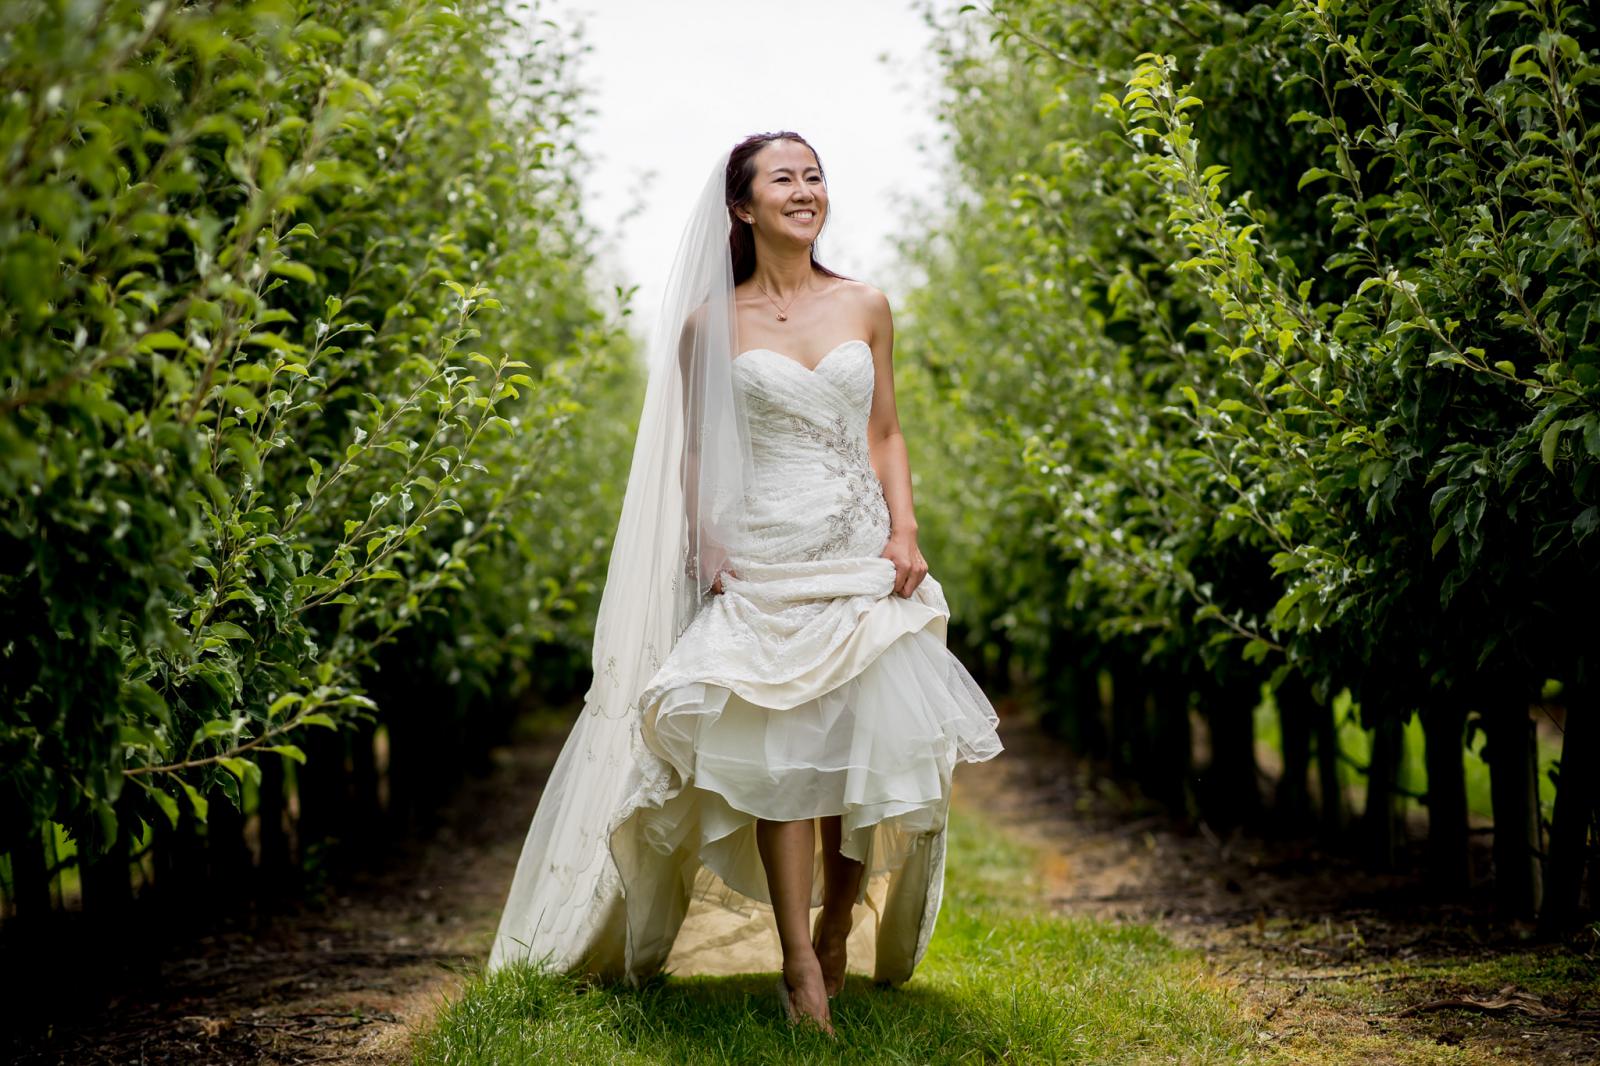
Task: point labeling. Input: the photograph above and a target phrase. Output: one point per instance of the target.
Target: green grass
(1001, 982)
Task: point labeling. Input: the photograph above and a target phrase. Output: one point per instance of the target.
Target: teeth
(806, 216)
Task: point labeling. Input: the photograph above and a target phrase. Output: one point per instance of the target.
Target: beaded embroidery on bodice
(814, 494)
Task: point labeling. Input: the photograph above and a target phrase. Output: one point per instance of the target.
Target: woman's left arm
(888, 450)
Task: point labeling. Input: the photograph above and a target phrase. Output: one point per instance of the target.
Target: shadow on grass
(519, 1015)
(1000, 982)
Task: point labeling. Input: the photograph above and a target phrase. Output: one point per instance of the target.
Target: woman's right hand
(717, 560)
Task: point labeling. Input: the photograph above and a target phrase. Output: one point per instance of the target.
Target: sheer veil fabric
(679, 512)
(628, 868)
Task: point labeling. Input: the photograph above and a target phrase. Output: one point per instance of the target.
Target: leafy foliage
(297, 318)
(1276, 323)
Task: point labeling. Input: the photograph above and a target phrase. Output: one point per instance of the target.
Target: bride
(769, 651)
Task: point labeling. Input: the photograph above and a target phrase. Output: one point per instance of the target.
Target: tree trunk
(30, 877)
(180, 861)
(1325, 732)
(1168, 768)
(228, 854)
(273, 867)
(1296, 709)
(107, 884)
(1513, 789)
(407, 765)
(1128, 724)
(1005, 654)
(1381, 820)
(1444, 721)
(366, 815)
(1577, 806)
(1230, 795)
(321, 784)
(109, 920)
(1072, 697)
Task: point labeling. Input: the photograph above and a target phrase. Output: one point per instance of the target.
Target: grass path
(1079, 927)
(1076, 927)
(1004, 980)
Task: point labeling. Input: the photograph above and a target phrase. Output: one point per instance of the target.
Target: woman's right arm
(708, 555)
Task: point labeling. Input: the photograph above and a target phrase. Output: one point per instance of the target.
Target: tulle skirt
(867, 720)
(878, 750)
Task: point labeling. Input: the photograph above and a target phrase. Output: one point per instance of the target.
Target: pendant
(782, 317)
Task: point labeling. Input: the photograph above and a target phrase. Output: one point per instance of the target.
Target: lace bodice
(814, 495)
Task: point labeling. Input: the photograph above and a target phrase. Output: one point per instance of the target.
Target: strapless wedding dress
(808, 687)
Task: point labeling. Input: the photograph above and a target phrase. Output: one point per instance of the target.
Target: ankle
(838, 918)
(802, 970)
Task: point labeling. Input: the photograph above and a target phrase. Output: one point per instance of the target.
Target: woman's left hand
(909, 566)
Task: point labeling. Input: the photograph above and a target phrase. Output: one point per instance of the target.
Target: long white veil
(680, 515)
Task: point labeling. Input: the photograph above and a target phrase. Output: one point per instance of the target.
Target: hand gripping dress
(808, 687)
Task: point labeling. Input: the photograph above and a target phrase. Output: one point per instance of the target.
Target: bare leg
(786, 852)
(841, 882)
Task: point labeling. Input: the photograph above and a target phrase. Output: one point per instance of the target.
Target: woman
(770, 647)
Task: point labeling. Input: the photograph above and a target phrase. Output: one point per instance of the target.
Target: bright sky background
(674, 83)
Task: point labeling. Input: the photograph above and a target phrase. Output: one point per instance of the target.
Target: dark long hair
(741, 174)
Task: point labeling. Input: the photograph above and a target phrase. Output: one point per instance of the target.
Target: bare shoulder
(863, 295)
(871, 307)
(696, 321)
(693, 326)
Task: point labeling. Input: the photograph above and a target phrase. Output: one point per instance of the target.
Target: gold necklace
(783, 315)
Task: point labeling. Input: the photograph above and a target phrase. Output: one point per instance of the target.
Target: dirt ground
(341, 983)
(1312, 943)
(1337, 964)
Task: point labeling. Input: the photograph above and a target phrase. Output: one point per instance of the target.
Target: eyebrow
(781, 170)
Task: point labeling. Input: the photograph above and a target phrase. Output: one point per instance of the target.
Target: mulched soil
(343, 982)
(1310, 939)
(348, 980)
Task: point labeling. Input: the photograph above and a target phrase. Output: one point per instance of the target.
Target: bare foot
(828, 941)
(807, 997)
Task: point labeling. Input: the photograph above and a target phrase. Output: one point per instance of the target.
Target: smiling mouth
(804, 215)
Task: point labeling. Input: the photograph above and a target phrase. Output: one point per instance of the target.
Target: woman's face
(788, 198)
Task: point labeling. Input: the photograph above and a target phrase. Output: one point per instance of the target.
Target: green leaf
(196, 801)
(245, 770)
(1314, 174)
(268, 339)
(1547, 444)
(283, 703)
(161, 340)
(1440, 538)
(298, 271)
(168, 805)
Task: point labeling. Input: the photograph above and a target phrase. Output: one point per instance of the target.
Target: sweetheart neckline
(798, 363)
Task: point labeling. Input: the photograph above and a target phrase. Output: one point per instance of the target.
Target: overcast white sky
(672, 84)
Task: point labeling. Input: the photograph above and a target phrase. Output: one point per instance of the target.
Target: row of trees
(297, 315)
(1260, 351)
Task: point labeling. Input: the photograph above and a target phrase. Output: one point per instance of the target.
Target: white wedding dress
(806, 688)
